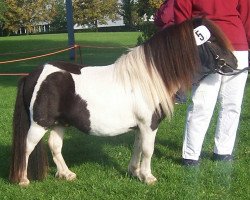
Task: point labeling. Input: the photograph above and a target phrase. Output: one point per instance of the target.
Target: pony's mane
(162, 65)
(167, 61)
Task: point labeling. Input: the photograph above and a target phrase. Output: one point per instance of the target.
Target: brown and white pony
(136, 92)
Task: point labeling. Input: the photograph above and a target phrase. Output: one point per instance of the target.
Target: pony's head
(215, 50)
(180, 58)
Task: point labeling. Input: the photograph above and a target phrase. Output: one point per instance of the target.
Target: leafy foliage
(3, 9)
(148, 7)
(147, 28)
(59, 21)
(93, 12)
(155, 3)
(27, 13)
(129, 12)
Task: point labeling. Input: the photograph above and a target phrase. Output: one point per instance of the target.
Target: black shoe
(190, 162)
(218, 157)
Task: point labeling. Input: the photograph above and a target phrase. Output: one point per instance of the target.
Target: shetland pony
(136, 92)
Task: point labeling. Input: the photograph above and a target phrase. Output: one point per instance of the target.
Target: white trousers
(228, 90)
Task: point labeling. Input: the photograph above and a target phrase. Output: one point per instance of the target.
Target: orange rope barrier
(40, 56)
(105, 47)
(14, 74)
(38, 50)
(25, 52)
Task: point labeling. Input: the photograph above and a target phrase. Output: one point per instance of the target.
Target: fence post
(70, 28)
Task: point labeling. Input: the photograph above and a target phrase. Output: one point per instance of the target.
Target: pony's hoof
(150, 180)
(69, 176)
(24, 182)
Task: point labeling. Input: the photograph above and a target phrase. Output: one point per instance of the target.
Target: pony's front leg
(147, 143)
(55, 144)
(134, 164)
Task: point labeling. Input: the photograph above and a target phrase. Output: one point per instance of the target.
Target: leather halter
(222, 67)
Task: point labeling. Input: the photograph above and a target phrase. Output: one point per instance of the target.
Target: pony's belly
(109, 131)
(111, 122)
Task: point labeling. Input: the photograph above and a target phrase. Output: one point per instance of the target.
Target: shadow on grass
(171, 146)
(5, 152)
(9, 81)
(81, 148)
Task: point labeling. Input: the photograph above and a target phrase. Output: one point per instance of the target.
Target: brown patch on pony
(57, 102)
(156, 119)
(69, 67)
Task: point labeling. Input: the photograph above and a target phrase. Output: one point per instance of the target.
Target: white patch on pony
(201, 35)
(109, 104)
(47, 70)
(35, 134)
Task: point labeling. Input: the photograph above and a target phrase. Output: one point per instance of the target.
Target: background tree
(3, 9)
(28, 13)
(94, 12)
(129, 13)
(155, 3)
(59, 21)
(148, 8)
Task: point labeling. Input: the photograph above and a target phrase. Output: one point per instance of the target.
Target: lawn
(101, 163)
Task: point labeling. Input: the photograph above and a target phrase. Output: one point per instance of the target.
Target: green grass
(101, 163)
(109, 47)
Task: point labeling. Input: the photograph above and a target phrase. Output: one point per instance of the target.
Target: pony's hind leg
(35, 134)
(55, 144)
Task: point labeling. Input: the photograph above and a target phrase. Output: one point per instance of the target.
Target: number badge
(201, 35)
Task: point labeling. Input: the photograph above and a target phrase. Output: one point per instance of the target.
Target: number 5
(199, 35)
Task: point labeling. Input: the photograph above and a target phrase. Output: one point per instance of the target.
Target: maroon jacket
(232, 16)
(164, 16)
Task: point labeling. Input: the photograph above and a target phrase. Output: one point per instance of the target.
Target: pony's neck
(136, 73)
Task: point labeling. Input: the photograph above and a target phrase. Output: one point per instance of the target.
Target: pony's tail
(21, 125)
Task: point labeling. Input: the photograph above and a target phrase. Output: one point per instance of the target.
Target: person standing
(233, 17)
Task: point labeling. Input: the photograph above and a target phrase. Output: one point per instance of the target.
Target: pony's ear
(197, 22)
